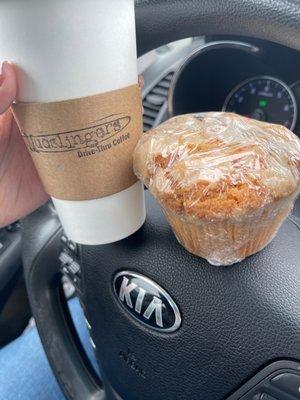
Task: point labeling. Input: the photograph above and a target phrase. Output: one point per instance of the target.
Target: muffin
(226, 183)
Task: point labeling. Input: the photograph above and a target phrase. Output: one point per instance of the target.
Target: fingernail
(4, 69)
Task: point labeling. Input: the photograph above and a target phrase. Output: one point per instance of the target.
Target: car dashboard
(254, 78)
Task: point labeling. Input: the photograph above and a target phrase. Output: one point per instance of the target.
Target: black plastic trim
(260, 383)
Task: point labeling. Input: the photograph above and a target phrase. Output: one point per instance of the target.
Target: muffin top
(218, 165)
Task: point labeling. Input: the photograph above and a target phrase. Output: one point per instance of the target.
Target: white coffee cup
(68, 49)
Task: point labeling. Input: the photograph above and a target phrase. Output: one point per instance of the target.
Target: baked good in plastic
(226, 183)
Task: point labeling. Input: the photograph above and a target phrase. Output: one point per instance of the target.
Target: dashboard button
(65, 259)
(72, 246)
(74, 267)
(289, 383)
(64, 239)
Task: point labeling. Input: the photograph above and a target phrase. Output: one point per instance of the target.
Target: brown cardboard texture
(82, 148)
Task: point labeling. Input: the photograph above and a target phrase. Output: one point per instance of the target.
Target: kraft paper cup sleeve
(82, 148)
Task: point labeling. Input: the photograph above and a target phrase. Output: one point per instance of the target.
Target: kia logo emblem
(146, 301)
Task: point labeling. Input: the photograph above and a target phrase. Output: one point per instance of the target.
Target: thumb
(8, 86)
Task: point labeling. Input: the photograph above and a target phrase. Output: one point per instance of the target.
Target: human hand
(21, 190)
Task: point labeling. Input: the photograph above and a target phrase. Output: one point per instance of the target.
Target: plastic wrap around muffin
(226, 183)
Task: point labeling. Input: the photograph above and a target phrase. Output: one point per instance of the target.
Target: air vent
(155, 100)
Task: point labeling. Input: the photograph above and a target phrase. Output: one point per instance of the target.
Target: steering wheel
(235, 321)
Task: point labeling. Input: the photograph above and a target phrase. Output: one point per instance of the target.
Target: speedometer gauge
(264, 98)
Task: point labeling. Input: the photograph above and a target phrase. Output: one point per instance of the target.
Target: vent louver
(155, 100)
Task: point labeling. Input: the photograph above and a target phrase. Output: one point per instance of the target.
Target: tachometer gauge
(264, 98)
